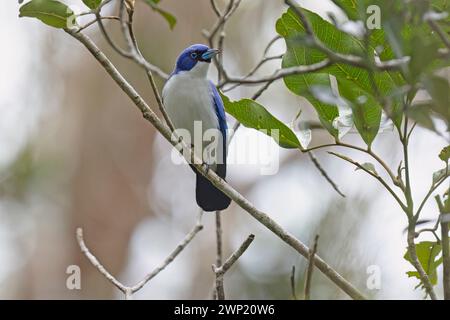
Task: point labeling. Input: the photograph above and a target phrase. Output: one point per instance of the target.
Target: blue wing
(220, 111)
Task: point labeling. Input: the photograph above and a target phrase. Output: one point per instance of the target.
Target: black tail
(208, 197)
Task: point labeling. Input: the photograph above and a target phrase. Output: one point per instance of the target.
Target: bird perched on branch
(193, 103)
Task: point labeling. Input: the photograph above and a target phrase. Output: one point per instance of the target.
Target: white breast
(188, 98)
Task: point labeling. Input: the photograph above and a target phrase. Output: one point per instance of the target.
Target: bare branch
(235, 256)
(293, 290)
(219, 282)
(221, 270)
(309, 271)
(432, 189)
(324, 173)
(180, 247)
(376, 176)
(281, 73)
(94, 261)
(264, 59)
(132, 39)
(130, 290)
(215, 8)
(87, 25)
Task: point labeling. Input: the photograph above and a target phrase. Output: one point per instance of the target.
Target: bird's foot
(206, 167)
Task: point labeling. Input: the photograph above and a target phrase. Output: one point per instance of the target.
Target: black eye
(194, 55)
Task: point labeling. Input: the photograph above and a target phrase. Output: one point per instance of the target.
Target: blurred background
(75, 152)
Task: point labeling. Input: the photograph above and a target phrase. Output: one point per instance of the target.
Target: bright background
(74, 152)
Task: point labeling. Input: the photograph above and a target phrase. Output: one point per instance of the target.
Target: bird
(189, 97)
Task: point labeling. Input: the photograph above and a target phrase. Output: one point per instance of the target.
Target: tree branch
(293, 286)
(309, 271)
(128, 291)
(221, 270)
(219, 291)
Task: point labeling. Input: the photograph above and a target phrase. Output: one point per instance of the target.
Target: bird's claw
(206, 167)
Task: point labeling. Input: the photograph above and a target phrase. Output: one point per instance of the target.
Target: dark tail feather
(208, 197)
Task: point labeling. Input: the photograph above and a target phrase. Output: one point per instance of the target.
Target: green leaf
(368, 166)
(438, 175)
(350, 7)
(50, 12)
(92, 4)
(253, 115)
(427, 252)
(353, 82)
(366, 110)
(170, 18)
(444, 155)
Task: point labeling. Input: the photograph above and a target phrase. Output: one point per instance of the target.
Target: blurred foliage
(15, 180)
(170, 18)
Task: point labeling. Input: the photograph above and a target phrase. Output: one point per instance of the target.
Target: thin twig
(179, 248)
(87, 25)
(221, 270)
(128, 291)
(94, 261)
(281, 73)
(309, 271)
(324, 173)
(219, 249)
(395, 180)
(215, 8)
(293, 289)
(149, 73)
(373, 174)
(433, 188)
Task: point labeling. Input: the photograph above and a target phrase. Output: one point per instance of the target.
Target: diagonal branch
(221, 270)
(376, 176)
(128, 291)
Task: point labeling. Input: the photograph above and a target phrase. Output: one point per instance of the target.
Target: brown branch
(128, 291)
(324, 173)
(132, 39)
(219, 256)
(221, 270)
(309, 270)
(373, 174)
(293, 290)
(281, 73)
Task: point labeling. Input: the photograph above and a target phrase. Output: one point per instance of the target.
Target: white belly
(189, 99)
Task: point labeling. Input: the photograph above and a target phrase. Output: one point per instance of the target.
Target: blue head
(193, 55)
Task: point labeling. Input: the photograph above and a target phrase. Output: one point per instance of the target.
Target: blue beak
(209, 54)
